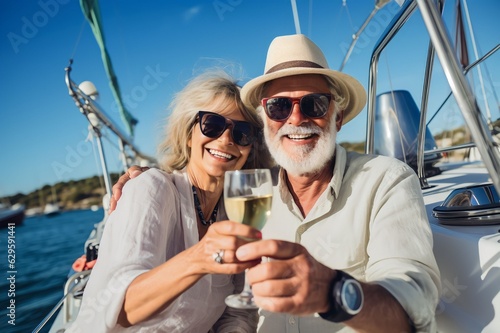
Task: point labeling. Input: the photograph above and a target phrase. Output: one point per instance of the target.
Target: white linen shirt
(369, 222)
(155, 220)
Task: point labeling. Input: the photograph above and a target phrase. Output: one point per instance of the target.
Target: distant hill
(74, 194)
(354, 146)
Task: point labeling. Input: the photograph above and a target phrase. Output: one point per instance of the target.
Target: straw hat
(297, 54)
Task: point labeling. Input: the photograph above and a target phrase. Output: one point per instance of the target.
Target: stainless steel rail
(429, 65)
(466, 71)
(87, 105)
(456, 79)
(397, 22)
(461, 89)
(97, 118)
(80, 282)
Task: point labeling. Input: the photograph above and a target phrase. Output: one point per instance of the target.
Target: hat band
(292, 64)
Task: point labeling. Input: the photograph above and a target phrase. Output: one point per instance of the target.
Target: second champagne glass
(247, 198)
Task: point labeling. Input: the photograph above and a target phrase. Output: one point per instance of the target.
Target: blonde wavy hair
(214, 85)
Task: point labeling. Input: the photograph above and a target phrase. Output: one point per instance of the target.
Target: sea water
(45, 248)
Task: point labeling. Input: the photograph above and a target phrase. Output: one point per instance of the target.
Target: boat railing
(87, 105)
(470, 145)
(465, 72)
(75, 286)
(440, 44)
(97, 118)
(75, 283)
(130, 155)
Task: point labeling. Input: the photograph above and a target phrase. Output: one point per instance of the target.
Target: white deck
(468, 258)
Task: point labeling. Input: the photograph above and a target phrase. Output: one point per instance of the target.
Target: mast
(295, 16)
(54, 196)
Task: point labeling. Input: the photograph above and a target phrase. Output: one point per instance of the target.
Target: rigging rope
(344, 4)
(471, 33)
(78, 39)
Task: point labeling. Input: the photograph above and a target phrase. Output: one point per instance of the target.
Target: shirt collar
(338, 170)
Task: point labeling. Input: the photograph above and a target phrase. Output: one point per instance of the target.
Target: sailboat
(458, 168)
(11, 216)
(52, 208)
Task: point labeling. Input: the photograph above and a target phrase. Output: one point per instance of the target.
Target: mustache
(304, 129)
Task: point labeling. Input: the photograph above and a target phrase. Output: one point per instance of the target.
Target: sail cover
(92, 13)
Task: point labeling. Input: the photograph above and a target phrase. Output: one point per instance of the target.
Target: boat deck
(468, 259)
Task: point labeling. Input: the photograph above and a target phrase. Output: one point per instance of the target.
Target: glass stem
(246, 293)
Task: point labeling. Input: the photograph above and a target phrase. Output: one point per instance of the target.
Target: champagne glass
(247, 199)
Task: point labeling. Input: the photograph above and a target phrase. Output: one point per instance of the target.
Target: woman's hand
(159, 287)
(223, 237)
(132, 172)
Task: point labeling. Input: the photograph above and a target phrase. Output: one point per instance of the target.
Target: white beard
(307, 159)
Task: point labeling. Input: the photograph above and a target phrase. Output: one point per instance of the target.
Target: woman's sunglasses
(311, 105)
(212, 125)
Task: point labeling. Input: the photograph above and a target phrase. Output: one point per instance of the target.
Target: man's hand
(132, 172)
(293, 281)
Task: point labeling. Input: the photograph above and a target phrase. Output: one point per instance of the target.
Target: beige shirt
(154, 221)
(371, 223)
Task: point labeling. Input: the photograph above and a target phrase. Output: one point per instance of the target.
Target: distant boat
(51, 210)
(11, 215)
(35, 211)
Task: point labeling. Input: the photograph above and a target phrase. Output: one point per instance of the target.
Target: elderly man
(348, 234)
(348, 240)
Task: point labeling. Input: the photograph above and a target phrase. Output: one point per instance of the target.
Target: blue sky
(43, 135)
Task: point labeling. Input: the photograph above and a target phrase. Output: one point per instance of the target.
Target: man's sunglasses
(212, 125)
(311, 105)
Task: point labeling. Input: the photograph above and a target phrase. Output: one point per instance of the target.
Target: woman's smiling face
(214, 156)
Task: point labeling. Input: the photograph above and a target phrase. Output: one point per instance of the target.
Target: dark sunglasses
(212, 125)
(311, 105)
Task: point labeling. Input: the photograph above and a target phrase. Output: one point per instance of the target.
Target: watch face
(352, 297)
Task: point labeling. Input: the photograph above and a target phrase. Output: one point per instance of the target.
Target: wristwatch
(345, 298)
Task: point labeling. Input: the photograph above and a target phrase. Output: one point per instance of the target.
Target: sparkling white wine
(249, 210)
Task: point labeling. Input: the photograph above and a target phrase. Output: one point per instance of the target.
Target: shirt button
(291, 320)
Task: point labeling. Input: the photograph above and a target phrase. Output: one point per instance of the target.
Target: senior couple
(348, 237)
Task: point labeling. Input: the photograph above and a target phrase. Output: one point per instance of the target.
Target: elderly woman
(164, 265)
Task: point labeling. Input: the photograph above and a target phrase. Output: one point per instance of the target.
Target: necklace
(200, 213)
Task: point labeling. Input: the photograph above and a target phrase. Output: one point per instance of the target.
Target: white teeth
(220, 154)
(299, 136)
